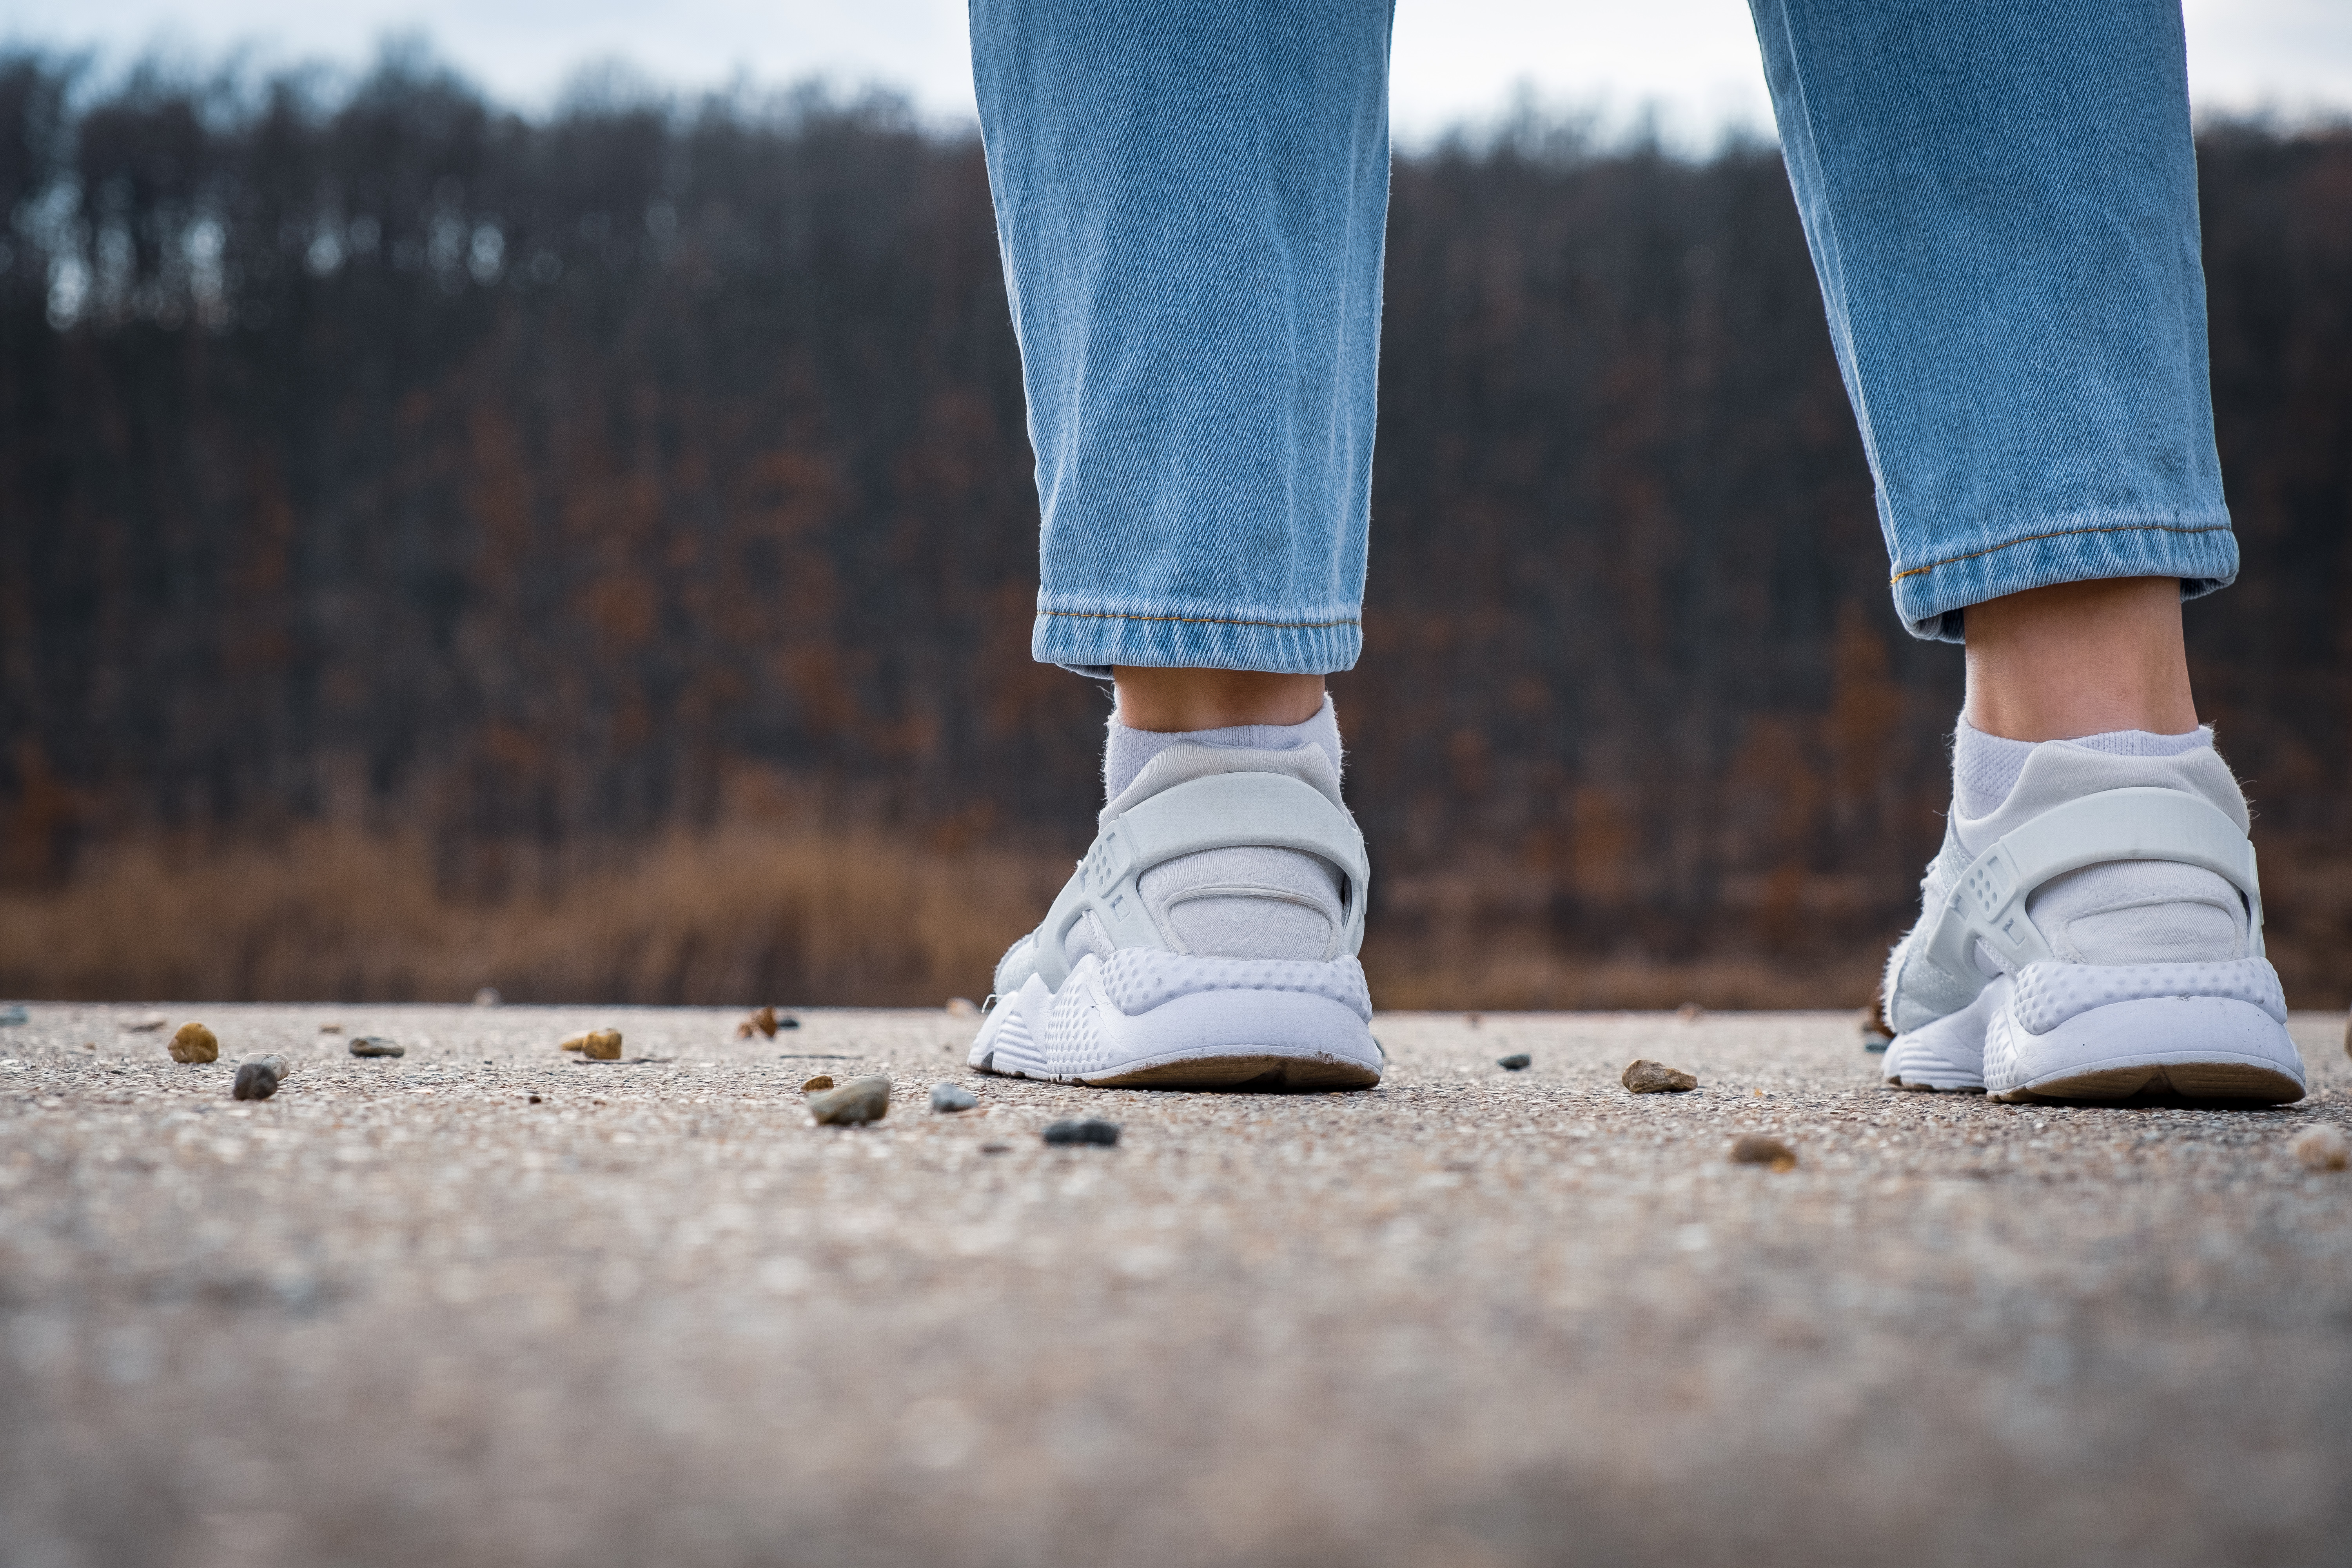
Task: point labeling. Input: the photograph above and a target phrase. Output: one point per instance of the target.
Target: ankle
(2080, 658)
(1170, 700)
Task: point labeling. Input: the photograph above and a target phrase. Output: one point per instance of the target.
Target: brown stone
(1690, 1011)
(2321, 1148)
(855, 1103)
(1644, 1075)
(963, 1007)
(1762, 1149)
(195, 1043)
(822, 1080)
(599, 1045)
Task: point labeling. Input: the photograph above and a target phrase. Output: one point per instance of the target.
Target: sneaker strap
(1987, 904)
(1223, 811)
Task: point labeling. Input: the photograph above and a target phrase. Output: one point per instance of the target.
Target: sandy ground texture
(487, 1304)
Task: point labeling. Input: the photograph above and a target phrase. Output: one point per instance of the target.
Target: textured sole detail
(1946, 1056)
(2197, 1047)
(1298, 1035)
(2048, 995)
(1011, 1039)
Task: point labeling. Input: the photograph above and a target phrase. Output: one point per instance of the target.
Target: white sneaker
(1208, 939)
(2098, 935)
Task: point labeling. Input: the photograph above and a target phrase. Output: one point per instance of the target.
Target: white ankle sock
(1127, 751)
(1985, 768)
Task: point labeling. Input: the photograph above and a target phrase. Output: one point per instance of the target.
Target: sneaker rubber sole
(2084, 1033)
(1147, 1019)
(2197, 1047)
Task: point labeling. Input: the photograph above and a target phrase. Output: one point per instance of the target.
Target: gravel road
(486, 1303)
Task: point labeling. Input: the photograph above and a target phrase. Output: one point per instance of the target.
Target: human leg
(1191, 203)
(2001, 206)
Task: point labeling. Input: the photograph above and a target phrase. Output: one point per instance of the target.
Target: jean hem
(1091, 641)
(1932, 597)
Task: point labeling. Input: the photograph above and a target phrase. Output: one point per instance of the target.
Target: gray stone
(1517, 1061)
(376, 1046)
(1089, 1131)
(952, 1097)
(855, 1103)
(15, 1013)
(1644, 1075)
(258, 1079)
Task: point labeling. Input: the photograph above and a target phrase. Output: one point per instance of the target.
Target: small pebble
(1644, 1075)
(148, 1024)
(854, 1104)
(963, 1007)
(763, 1022)
(952, 1097)
(997, 1148)
(787, 1022)
(376, 1046)
(1090, 1130)
(330, 1028)
(258, 1080)
(822, 1080)
(1515, 1062)
(1760, 1149)
(597, 1045)
(13, 1014)
(534, 1099)
(2321, 1148)
(1690, 1011)
(488, 996)
(195, 1043)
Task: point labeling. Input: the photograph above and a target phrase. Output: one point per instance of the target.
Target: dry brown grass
(851, 916)
(808, 915)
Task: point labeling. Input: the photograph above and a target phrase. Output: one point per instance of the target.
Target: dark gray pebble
(1087, 1132)
(1515, 1061)
(952, 1097)
(376, 1046)
(258, 1080)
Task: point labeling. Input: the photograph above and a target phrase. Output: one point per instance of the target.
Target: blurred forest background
(593, 557)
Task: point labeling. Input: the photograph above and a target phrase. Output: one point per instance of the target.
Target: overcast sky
(1693, 61)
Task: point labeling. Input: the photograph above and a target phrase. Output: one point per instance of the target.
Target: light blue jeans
(2001, 200)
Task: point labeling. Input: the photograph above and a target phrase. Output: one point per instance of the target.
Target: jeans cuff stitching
(2063, 534)
(1199, 620)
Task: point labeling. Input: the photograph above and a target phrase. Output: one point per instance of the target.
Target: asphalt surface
(403, 1313)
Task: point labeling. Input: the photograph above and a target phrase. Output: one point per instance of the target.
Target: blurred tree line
(383, 457)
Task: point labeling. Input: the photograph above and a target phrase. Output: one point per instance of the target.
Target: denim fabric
(2000, 201)
(1192, 199)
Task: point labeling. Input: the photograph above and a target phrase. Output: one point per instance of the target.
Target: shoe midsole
(2170, 1031)
(1209, 1024)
